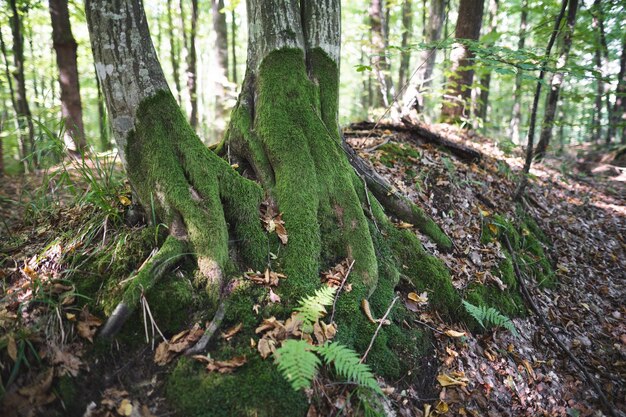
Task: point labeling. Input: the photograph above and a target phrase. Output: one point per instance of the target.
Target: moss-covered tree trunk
(285, 137)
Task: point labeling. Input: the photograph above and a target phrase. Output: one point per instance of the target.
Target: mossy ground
(527, 241)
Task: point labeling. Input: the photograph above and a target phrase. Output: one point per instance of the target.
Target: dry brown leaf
(446, 380)
(266, 347)
(88, 324)
(274, 298)
(228, 334)
(454, 333)
(226, 367)
(66, 361)
(167, 351)
(366, 309)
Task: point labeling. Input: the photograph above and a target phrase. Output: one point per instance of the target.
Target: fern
(348, 364)
(312, 307)
(490, 316)
(297, 363)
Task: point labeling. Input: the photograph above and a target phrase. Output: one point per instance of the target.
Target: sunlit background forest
(506, 65)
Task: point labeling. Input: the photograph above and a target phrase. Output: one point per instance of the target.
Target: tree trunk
(22, 109)
(617, 120)
(103, 124)
(485, 79)
(65, 47)
(458, 90)
(285, 137)
(174, 50)
(407, 31)
(221, 52)
(413, 95)
(516, 119)
(233, 43)
(555, 85)
(192, 85)
(378, 58)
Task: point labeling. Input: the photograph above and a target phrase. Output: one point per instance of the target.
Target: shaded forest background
(384, 49)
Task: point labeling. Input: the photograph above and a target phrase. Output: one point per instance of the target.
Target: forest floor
(577, 199)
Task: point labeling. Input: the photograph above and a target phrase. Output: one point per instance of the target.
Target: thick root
(151, 271)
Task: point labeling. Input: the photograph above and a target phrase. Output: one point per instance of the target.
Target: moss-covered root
(395, 203)
(154, 268)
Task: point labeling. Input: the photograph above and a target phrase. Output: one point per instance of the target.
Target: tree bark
(65, 47)
(378, 58)
(22, 109)
(557, 80)
(618, 112)
(413, 95)
(485, 79)
(233, 43)
(516, 119)
(407, 32)
(174, 51)
(458, 91)
(192, 85)
(103, 124)
(221, 52)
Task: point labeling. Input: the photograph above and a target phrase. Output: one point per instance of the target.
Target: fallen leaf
(125, 200)
(226, 367)
(88, 324)
(454, 333)
(228, 334)
(125, 408)
(446, 380)
(274, 298)
(266, 347)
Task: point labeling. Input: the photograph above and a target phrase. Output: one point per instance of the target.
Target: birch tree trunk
(65, 47)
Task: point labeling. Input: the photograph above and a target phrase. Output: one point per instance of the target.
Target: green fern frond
(490, 316)
(312, 308)
(348, 364)
(297, 363)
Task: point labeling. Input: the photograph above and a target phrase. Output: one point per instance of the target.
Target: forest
(312, 208)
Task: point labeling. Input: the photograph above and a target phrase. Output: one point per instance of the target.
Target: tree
(516, 118)
(22, 109)
(485, 79)
(618, 112)
(190, 45)
(65, 47)
(221, 52)
(413, 95)
(378, 59)
(284, 135)
(557, 80)
(458, 91)
(407, 31)
(174, 50)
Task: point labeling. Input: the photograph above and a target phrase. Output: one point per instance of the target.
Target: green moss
(392, 153)
(65, 389)
(256, 389)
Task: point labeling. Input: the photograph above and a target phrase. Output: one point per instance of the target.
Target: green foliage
(348, 364)
(490, 316)
(312, 307)
(298, 361)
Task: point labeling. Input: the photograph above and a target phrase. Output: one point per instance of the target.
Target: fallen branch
(419, 132)
(201, 344)
(605, 402)
(380, 324)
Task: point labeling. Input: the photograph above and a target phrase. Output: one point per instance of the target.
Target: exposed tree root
(398, 205)
(151, 271)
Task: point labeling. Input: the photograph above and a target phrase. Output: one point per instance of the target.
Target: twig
(430, 327)
(605, 402)
(343, 281)
(201, 345)
(380, 324)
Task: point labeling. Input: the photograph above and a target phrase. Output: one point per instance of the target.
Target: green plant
(490, 316)
(298, 361)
